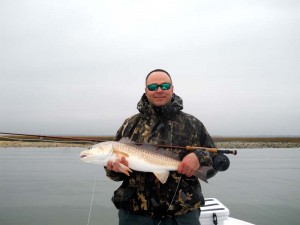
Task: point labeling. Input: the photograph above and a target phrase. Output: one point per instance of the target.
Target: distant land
(82, 141)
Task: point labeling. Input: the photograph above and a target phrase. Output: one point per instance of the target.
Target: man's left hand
(189, 165)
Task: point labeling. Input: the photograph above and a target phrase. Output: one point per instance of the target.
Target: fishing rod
(54, 137)
(189, 148)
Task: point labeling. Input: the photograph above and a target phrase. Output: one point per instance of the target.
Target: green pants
(191, 218)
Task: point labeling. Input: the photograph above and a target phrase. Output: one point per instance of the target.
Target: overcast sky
(77, 67)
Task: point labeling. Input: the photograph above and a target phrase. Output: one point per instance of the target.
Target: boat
(215, 213)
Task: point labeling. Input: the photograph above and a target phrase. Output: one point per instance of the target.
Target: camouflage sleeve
(127, 127)
(123, 131)
(115, 176)
(205, 158)
(205, 139)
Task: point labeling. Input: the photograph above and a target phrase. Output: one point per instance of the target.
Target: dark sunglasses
(154, 87)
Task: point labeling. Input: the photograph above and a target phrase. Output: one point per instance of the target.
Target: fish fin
(202, 172)
(160, 151)
(124, 169)
(120, 153)
(162, 176)
(126, 140)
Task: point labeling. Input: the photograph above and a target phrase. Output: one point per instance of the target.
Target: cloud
(79, 67)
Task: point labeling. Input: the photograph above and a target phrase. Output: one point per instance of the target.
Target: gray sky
(78, 67)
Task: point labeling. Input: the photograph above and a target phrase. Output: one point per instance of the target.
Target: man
(142, 199)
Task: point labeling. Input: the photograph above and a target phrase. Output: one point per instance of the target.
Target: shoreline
(21, 141)
(220, 144)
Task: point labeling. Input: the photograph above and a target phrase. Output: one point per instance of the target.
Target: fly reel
(221, 162)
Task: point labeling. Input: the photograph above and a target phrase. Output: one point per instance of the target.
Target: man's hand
(115, 165)
(189, 165)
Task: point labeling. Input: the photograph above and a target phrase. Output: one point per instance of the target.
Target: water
(51, 186)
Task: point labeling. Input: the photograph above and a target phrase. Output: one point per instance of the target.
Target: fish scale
(150, 156)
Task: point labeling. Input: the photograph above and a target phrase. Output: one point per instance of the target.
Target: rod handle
(211, 150)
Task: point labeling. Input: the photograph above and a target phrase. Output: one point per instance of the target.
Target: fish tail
(201, 173)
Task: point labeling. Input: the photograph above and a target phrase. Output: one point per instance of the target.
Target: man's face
(159, 97)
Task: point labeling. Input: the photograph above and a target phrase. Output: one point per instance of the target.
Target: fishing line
(173, 197)
(91, 205)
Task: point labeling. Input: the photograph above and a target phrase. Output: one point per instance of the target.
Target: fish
(140, 157)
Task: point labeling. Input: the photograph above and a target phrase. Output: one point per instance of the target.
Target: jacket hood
(148, 109)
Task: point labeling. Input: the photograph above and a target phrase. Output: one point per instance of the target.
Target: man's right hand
(114, 166)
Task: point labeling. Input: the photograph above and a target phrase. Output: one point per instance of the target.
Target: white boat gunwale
(215, 213)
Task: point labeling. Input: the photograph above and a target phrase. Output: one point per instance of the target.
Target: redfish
(145, 158)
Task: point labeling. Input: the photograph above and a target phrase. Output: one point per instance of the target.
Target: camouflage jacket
(142, 193)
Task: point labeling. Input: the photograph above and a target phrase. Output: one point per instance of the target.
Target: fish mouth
(83, 156)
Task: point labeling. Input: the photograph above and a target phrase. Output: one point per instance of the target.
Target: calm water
(51, 186)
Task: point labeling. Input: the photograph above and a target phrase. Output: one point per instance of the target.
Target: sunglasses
(154, 87)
